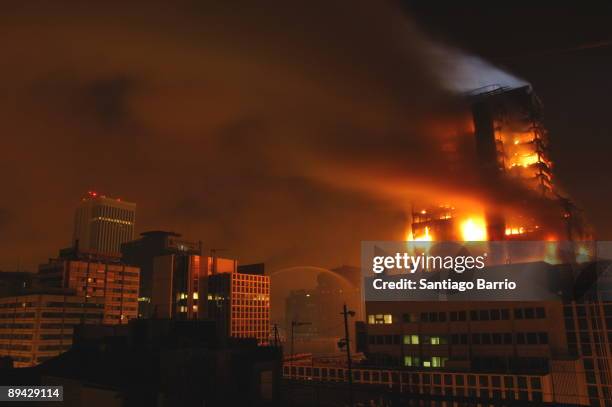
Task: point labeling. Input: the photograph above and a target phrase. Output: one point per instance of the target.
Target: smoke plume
(285, 133)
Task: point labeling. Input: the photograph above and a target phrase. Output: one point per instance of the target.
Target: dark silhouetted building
(159, 363)
(15, 282)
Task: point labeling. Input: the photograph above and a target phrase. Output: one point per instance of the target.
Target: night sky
(284, 133)
(565, 52)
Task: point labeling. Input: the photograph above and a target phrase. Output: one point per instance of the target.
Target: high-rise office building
(96, 277)
(102, 224)
(178, 284)
(144, 252)
(38, 326)
(240, 302)
(180, 280)
(555, 351)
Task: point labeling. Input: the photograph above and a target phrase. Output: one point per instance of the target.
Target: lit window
(438, 361)
(195, 296)
(435, 340)
(380, 319)
(411, 339)
(411, 361)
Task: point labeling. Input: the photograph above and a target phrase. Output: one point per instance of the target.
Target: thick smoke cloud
(465, 73)
(285, 133)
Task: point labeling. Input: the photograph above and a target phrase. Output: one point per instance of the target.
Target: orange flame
(474, 229)
(426, 237)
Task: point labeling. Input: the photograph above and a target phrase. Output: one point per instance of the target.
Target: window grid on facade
(250, 306)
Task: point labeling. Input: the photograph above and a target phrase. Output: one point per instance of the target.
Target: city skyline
(340, 203)
(218, 146)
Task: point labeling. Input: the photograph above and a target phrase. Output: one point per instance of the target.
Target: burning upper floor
(511, 140)
(512, 149)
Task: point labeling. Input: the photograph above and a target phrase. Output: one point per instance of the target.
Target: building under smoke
(515, 170)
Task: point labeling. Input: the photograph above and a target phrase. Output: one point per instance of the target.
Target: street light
(347, 342)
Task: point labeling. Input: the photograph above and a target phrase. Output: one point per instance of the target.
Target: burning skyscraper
(513, 351)
(515, 167)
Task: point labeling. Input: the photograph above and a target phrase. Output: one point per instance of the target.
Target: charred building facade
(506, 352)
(512, 148)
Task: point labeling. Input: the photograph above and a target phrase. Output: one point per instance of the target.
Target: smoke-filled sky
(565, 52)
(285, 133)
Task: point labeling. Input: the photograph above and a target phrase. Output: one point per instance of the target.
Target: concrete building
(179, 281)
(102, 224)
(143, 253)
(564, 345)
(240, 303)
(511, 147)
(94, 277)
(36, 327)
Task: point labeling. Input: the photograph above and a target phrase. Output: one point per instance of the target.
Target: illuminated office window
(411, 339)
(412, 361)
(380, 319)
